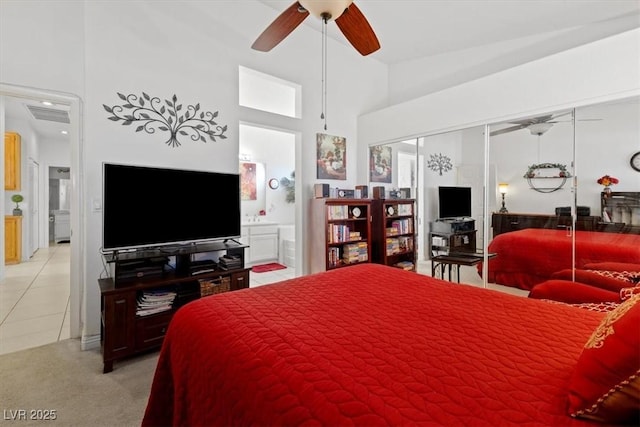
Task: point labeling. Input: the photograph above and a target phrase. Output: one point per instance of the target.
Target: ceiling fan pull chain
(323, 115)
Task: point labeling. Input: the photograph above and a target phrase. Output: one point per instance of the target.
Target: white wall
(191, 49)
(601, 71)
(606, 69)
(604, 144)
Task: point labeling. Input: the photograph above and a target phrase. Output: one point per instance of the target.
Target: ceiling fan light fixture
(539, 128)
(320, 8)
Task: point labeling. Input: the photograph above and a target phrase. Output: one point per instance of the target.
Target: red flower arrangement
(608, 180)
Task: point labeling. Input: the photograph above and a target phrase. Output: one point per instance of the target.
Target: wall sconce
(502, 188)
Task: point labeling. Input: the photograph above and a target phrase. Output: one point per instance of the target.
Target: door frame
(77, 214)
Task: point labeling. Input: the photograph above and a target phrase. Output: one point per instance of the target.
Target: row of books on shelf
(396, 245)
(342, 233)
(351, 253)
(400, 226)
(338, 212)
(154, 301)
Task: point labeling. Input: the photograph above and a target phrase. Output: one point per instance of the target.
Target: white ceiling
(411, 30)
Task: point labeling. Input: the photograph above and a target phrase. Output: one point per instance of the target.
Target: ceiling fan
(535, 125)
(345, 13)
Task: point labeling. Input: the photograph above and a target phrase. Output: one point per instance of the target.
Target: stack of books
(393, 246)
(230, 262)
(355, 235)
(355, 252)
(405, 265)
(154, 301)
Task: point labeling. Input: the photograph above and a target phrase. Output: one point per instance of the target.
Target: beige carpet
(63, 378)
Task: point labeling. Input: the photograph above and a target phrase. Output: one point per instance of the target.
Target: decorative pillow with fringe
(626, 293)
(605, 385)
(632, 277)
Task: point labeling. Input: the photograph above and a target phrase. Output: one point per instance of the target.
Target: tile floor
(34, 300)
(34, 297)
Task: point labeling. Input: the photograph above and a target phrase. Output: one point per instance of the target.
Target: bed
(368, 345)
(530, 256)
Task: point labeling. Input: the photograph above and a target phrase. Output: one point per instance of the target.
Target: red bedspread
(368, 345)
(528, 257)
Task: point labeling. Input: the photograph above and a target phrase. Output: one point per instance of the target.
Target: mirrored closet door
(532, 224)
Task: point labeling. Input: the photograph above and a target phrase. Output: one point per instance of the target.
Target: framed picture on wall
(331, 158)
(248, 190)
(380, 164)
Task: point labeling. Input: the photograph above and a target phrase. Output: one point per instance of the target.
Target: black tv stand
(232, 240)
(451, 235)
(127, 329)
(453, 225)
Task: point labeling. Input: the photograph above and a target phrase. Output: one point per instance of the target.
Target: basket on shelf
(214, 286)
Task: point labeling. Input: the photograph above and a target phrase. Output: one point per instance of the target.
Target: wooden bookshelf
(393, 233)
(340, 231)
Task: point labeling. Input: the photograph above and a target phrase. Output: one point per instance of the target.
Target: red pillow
(593, 278)
(605, 385)
(572, 292)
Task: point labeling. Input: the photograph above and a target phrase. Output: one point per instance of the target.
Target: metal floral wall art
(439, 163)
(153, 114)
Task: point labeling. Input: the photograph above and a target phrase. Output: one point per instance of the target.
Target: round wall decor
(635, 161)
(547, 177)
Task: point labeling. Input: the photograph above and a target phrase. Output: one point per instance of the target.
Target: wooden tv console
(506, 222)
(124, 332)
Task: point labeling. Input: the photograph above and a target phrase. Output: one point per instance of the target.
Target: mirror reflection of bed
(603, 140)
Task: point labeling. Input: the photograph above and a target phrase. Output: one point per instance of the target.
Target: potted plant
(17, 198)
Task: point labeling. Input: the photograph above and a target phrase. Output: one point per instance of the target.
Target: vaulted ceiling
(512, 32)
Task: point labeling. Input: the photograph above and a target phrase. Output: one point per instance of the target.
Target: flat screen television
(151, 206)
(454, 202)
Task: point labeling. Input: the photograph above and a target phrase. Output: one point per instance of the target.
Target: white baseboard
(90, 342)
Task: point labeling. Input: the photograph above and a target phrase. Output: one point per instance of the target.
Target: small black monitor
(454, 202)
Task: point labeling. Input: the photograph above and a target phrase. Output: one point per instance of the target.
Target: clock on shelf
(635, 161)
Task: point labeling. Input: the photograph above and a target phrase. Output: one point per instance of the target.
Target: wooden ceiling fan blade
(280, 28)
(507, 130)
(357, 30)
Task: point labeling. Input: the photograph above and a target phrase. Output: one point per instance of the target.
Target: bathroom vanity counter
(262, 238)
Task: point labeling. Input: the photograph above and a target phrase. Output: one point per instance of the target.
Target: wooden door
(11, 161)
(12, 239)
